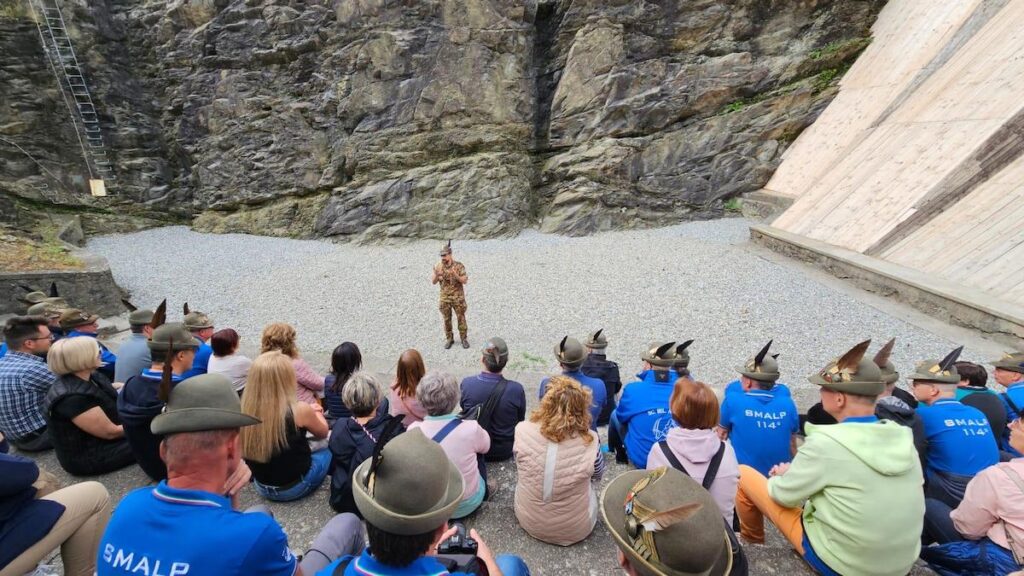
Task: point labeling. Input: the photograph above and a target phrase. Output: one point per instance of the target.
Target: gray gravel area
(699, 280)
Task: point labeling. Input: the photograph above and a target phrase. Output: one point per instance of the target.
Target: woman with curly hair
(559, 460)
(280, 337)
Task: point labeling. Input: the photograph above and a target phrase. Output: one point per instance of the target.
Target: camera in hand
(458, 553)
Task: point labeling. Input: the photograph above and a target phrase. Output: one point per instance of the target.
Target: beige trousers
(77, 532)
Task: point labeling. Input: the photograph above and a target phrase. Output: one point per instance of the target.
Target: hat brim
(384, 519)
(858, 388)
(92, 318)
(613, 514)
(200, 420)
(573, 363)
(596, 345)
(1008, 366)
(929, 377)
(759, 376)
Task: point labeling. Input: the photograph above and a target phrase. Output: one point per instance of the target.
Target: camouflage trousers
(460, 314)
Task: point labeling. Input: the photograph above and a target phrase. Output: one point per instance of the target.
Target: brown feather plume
(165, 378)
(561, 346)
(662, 520)
(852, 359)
(159, 315)
(884, 353)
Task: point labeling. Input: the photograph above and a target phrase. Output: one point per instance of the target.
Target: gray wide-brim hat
(851, 373)
(597, 340)
(73, 318)
(197, 321)
(495, 348)
(202, 403)
(570, 353)
(172, 334)
(695, 546)
(931, 371)
(140, 317)
(415, 488)
(34, 297)
(1012, 361)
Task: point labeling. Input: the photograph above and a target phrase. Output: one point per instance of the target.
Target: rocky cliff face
(373, 119)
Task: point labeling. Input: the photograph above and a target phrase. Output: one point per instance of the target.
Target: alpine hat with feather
(1012, 361)
(667, 524)
(137, 317)
(889, 373)
(660, 355)
(446, 249)
(195, 320)
(570, 353)
(681, 361)
(762, 367)
(938, 371)
(851, 373)
(597, 340)
(33, 296)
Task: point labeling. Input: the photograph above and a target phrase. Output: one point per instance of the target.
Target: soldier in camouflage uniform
(452, 276)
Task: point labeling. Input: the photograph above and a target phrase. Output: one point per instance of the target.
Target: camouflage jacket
(451, 288)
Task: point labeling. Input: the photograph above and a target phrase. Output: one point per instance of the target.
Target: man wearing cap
(1009, 373)
(170, 345)
(451, 275)
(133, 356)
(570, 355)
(960, 438)
(201, 327)
(851, 501)
(187, 524)
(24, 382)
(75, 322)
(51, 309)
(760, 418)
(406, 493)
(642, 418)
(597, 365)
(665, 523)
(507, 399)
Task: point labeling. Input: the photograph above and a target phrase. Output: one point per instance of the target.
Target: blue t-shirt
(761, 424)
(644, 411)
(3, 349)
(365, 565)
(166, 531)
(201, 361)
(597, 390)
(1016, 393)
(960, 439)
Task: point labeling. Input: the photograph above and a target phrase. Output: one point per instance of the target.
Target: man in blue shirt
(201, 327)
(643, 418)
(133, 356)
(24, 382)
(960, 439)
(1009, 373)
(406, 494)
(187, 524)
(75, 322)
(570, 355)
(509, 406)
(597, 365)
(759, 416)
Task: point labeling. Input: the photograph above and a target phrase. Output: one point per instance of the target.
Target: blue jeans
(512, 565)
(318, 468)
(938, 526)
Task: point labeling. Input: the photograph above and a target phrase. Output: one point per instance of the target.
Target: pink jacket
(695, 449)
(462, 445)
(409, 408)
(308, 382)
(991, 499)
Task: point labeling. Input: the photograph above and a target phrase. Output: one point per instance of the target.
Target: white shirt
(234, 366)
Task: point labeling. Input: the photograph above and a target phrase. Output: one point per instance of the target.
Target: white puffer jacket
(554, 500)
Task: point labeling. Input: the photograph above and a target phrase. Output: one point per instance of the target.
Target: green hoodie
(862, 485)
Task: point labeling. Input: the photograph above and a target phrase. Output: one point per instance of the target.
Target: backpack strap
(492, 403)
(713, 465)
(446, 430)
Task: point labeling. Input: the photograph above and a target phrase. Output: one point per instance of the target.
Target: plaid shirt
(24, 381)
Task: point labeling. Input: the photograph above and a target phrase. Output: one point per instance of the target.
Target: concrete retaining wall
(92, 288)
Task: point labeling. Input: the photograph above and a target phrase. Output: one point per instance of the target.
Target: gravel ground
(699, 280)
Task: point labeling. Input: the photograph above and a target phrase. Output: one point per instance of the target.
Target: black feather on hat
(759, 359)
(159, 316)
(185, 309)
(131, 307)
(682, 347)
(26, 288)
(947, 363)
(53, 290)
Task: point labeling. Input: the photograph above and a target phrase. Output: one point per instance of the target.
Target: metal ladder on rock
(53, 34)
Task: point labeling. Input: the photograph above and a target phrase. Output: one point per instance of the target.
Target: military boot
(449, 343)
(465, 343)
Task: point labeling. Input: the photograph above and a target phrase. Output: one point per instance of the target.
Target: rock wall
(376, 119)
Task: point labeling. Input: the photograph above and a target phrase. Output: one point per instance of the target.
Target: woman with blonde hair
(402, 397)
(283, 466)
(280, 337)
(81, 411)
(558, 458)
(694, 448)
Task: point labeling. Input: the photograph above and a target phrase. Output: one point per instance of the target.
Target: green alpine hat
(597, 340)
(889, 373)
(408, 487)
(202, 403)
(137, 317)
(172, 336)
(938, 371)
(666, 524)
(851, 373)
(446, 249)
(570, 353)
(33, 297)
(660, 355)
(195, 320)
(48, 309)
(1012, 361)
(496, 348)
(681, 361)
(73, 318)
(762, 367)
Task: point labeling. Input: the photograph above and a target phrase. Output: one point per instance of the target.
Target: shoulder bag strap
(492, 403)
(672, 458)
(712, 471)
(444, 432)
(1012, 474)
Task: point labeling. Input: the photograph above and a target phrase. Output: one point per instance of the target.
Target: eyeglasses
(48, 337)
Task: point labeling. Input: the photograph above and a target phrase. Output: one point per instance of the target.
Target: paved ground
(699, 280)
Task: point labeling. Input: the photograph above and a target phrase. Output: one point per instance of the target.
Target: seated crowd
(868, 481)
